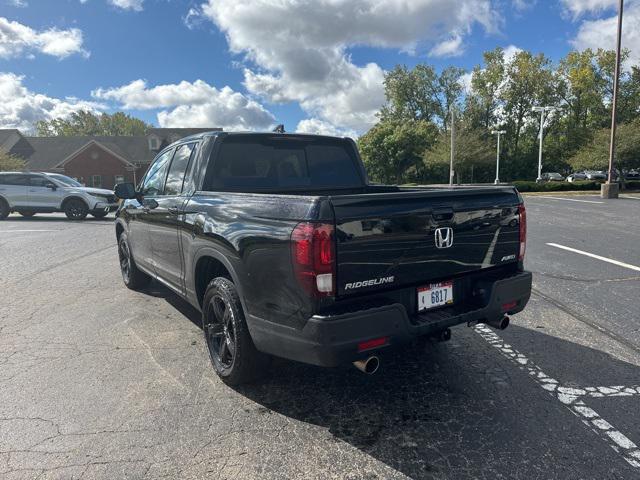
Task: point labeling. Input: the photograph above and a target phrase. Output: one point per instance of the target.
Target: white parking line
(18, 231)
(632, 197)
(567, 199)
(570, 397)
(598, 257)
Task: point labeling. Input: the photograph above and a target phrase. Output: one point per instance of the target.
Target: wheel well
(66, 200)
(207, 269)
(2, 200)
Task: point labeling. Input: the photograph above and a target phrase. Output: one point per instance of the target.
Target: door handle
(173, 210)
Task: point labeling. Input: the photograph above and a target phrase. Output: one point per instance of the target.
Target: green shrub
(529, 186)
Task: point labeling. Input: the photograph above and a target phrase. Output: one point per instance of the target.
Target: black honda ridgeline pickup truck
(287, 250)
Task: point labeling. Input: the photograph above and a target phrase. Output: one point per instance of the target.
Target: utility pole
(610, 190)
(453, 144)
(542, 111)
(498, 132)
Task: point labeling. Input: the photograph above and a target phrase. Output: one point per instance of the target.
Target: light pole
(610, 190)
(453, 145)
(542, 111)
(498, 132)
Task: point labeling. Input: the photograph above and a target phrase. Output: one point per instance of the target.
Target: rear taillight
(523, 230)
(313, 255)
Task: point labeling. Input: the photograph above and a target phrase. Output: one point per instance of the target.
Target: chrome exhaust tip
(500, 324)
(368, 365)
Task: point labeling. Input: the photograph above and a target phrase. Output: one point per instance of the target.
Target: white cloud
(298, 50)
(581, 7)
(319, 127)
(17, 39)
(510, 52)
(18, 3)
(187, 104)
(21, 108)
(451, 47)
(601, 33)
(135, 5)
(193, 18)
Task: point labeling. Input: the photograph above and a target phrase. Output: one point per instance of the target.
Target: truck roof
(214, 133)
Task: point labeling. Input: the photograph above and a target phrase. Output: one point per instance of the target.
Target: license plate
(435, 295)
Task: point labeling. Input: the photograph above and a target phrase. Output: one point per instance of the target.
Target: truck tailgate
(388, 240)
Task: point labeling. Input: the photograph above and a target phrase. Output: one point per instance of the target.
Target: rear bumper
(330, 341)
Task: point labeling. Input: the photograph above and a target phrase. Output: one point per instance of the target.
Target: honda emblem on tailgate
(444, 237)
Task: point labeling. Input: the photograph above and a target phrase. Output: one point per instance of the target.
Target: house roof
(44, 153)
(8, 138)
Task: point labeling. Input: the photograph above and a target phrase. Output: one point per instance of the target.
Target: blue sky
(312, 65)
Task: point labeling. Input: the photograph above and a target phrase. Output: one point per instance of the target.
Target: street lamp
(498, 132)
(542, 111)
(610, 190)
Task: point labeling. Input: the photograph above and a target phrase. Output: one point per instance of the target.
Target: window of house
(154, 143)
(154, 180)
(178, 169)
(118, 179)
(96, 181)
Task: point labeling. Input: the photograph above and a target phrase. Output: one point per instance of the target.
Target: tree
(486, 83)
(85, 123)
(392, 150)
(595, 155)
(421, 93)
(9, 163)
(474, 160)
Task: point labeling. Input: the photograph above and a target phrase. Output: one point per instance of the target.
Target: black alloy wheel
(132, 276)
(233, 355)
(75, 209)
(125, 260)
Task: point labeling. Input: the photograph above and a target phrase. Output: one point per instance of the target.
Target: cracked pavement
(99, 382)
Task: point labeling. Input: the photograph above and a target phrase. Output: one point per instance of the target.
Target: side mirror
(126, 191)
(51, 185)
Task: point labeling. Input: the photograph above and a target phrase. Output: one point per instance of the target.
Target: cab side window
(154, 180)
(178, 169)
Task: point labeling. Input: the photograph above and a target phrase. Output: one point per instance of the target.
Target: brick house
(95, 161)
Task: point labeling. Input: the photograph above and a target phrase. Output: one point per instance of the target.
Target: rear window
(255, 163)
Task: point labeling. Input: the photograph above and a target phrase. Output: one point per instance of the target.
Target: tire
(99, 214)
(75, 209)
(27, 214)
(133, 278)
(233, 355)
(4, 209)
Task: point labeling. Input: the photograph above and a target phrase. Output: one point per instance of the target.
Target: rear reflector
(369, 344)
(508, 306)
(523, 231)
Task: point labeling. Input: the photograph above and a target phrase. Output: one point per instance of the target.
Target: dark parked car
(287, 250)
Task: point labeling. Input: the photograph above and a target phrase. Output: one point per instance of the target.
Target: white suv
(29, 193)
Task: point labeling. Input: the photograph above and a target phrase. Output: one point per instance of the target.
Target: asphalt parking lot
(97, 381)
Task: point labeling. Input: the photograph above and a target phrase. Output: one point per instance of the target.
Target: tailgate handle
(443, 214)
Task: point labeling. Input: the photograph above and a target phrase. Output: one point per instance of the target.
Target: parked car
(632, 175)
(287, 250)
(29, 193)
(552, 177)
(576, 176)
(595, 175)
